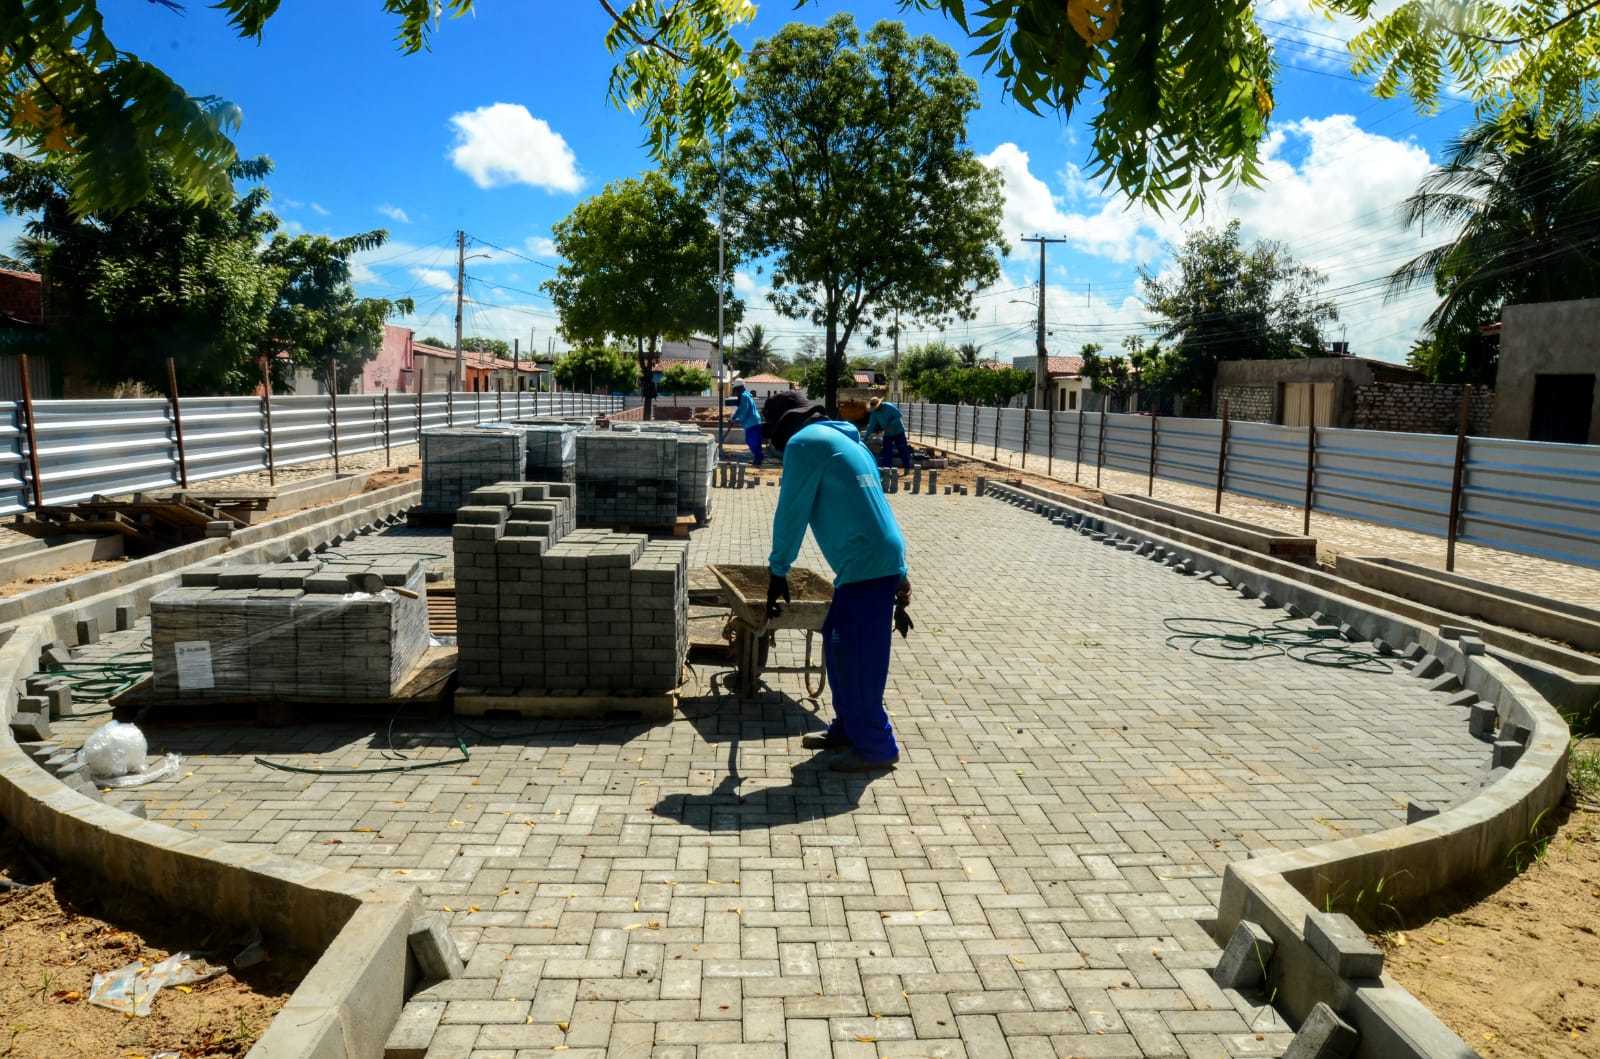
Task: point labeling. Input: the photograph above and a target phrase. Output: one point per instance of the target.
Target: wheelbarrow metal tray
(745, 592)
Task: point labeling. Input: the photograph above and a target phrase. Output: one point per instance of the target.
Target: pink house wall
(392, 367)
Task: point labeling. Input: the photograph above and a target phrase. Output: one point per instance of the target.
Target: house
(436, 367)
(394, 368)
(1301, 391)
(1545, 387)
(765, 385)
(22, 331)
(1065, 387)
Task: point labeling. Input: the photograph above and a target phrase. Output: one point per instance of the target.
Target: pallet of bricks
(457, 460)
(557, 621)
(552, 450)
(646, 476)
(289, 632)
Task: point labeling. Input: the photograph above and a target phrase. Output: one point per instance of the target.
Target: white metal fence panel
(223, 436)
(89, 448)
(1011, 427)
(1391, 479)
(1187, 450)
(14, 495)
(1127, 442)
(1533, 497)
(1038, 433)
(1267, 462)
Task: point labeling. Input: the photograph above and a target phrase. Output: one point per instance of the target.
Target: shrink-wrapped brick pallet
(457, 460)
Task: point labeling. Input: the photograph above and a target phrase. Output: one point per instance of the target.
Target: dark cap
(786, 412)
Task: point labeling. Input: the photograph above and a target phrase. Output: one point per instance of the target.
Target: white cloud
(434, 277)
(540, 246)
(394, 213)
(319, 210)
(504, 144)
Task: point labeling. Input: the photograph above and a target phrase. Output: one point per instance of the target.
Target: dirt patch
(1515, 972)
(56, 935)
(394, 476)
(64, 573)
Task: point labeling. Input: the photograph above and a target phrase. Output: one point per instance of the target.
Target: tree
(317, 316)
(1525, 210)
(498, 347)
(849, 169)
(969, 353)
(919, 361)
(595, 367)
(1227, 303)
(1123, 378)
(168, 277)
(753, 353)
(640, 263)
(685, 378)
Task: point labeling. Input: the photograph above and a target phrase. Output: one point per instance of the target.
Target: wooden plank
(529, 706)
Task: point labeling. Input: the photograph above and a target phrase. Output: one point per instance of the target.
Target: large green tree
(848, 169)
(1521, 209)
(1226, 302)
(640, 263)
(597, 367)
(474, 344)
(920, 361)
(1183, 89)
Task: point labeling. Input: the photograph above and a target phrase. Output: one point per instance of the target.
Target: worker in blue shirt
(745, 415)
(831, 486)
(886, 417)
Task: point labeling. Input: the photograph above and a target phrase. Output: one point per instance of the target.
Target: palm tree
(968, 352)
(1525, 209)
(753, 353)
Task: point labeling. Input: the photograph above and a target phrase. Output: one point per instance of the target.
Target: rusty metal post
(936, 435)
(974, 447)
(266, 410)
(1222, 455)
(450, 404)
(477, 407)
(1026, 423)
(499, 404)
(1311, 467)
(32, 432)
(1458, 477)
(1077, 453)
(1049, 444)
(386, 460)
(1100, 447)
(1150, 490)
(995, 455)
(333, 396)
(177, 423)
(419, 416)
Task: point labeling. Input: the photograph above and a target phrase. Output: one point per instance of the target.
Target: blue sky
(504, 126)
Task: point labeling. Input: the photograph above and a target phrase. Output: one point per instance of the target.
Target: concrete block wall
(1422, 408)
(1249, 403)
(457, 460)
(291, 630)
(546, 608)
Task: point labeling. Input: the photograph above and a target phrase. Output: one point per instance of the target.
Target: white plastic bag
(114, 750)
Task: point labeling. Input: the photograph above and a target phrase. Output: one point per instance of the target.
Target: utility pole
(1041, 371)
(461, 282)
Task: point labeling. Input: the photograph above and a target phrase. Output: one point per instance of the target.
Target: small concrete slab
(1323, 1035)
(1244, 961)
(434, 950)
(1343, 945)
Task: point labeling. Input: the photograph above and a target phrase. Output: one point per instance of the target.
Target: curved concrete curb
(1279, 891)
(352, 997)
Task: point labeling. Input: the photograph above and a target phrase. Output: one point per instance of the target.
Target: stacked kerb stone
(457, 460)
(289, 631)
(552, 451)
(545, 608)
(627, 477)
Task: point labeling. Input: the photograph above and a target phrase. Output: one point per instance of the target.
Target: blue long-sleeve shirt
(745, 414)
(887, 418)
(831, 484)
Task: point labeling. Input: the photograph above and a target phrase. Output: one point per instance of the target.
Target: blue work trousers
(855, 647)
(892, 442)
(752, 437)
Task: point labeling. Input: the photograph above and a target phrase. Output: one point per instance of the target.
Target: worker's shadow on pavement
(768, 719)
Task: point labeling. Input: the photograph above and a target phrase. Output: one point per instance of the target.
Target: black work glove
(902, 620)
(776, 586)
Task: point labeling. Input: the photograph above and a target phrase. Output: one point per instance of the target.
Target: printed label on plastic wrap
(194, 665)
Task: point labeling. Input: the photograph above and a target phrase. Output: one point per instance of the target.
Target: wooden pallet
(145, 521)
(534, 705)
(442, 610)
(679, 528)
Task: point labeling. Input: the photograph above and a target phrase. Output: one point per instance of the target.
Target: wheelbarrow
(751, 633)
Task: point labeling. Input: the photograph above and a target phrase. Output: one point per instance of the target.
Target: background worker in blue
(745, 415)
(886, 417)
(831, 485)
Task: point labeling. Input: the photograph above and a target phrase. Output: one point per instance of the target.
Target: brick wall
(1421, 408)
(1251, 403)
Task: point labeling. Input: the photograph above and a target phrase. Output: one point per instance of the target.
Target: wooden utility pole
(461, 283)
(1041, 371)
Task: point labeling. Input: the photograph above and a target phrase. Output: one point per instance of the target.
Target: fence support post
(1150, 489)
(32, 432)
(177, 424)
(1311, 469)
(974, 447)
(1100, 447)
(266, 411)
(1457, 477)
(1077, 453)
(1026, 423)
(1049, 443)
(1222, 455)
(499, 404)
(386, 460)
(477, 406)
(936, 436)
(419, 417)
(450, 403)
(333, 396)
(995, 455)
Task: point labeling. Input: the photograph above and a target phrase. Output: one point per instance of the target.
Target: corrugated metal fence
(1530, 497)
(112, 447)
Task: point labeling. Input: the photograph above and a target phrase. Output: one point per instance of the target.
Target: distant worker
(831, 485)
(747, 416)
(886, 417)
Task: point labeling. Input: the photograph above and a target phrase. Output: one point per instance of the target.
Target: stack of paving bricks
(544, 608)
(552, 451)
(627, 477)
(696, 464)
(288, 631)
(457, 460)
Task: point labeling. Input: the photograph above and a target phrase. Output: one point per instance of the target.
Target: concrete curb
(1278, 892)
(353, 995)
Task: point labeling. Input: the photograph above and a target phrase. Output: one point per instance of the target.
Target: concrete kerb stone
(1280, 891)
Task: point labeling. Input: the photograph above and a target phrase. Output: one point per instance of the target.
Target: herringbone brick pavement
(1029, 881)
